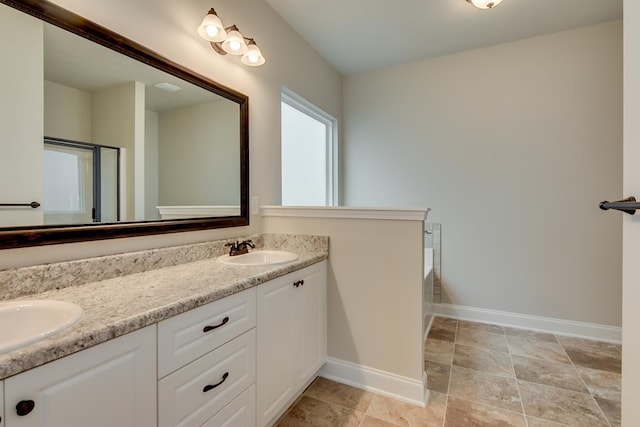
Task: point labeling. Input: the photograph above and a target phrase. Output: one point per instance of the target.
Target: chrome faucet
(240, 248)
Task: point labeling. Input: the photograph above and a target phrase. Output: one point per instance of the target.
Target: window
(309, 154)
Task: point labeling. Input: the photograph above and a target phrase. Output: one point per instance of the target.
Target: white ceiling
(361, 35)
(73, 61)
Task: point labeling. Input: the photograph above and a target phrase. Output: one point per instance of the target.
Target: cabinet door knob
(212, 386)
(24, 407)
(211, 328)
(302, 282)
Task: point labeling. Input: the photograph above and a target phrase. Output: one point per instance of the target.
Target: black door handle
(628, 205)
(211, 328)
(212, 386)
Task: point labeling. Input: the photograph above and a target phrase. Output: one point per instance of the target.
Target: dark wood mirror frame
(15, 237)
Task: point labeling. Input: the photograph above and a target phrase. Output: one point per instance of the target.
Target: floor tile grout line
(515, 379)
(522, 413)
(296, 401)
(542, 419)
(487, 350)
(446, 403)
(293, 405)
(570, 391)
(491, 352)
(585, 385)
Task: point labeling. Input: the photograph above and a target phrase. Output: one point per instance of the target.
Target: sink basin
(259, 257)
(25, 322)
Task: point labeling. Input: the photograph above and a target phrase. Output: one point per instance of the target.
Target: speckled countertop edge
(117, 306)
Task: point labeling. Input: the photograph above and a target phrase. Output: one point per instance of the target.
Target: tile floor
(484, 375)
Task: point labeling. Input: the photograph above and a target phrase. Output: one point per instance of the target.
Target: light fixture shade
(485, 4)
(211, 28)
(253, 57)
(234, 44)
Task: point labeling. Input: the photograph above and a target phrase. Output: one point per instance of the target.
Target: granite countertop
(120, 305)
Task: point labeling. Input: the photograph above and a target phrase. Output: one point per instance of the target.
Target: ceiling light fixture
(229, 40)
(167, 87)
(485, 4)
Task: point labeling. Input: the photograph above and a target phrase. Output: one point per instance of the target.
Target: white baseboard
(377, 381)
(538, 323)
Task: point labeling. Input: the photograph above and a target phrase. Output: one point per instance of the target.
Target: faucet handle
(249, 243)
(239, 248)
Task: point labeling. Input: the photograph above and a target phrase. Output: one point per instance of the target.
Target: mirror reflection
(117, 140)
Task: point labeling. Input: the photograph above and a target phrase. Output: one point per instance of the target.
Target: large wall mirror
(109, 138)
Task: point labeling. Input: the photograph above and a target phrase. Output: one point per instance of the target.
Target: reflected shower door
(68, 184)
(81, 182)
(108, 184)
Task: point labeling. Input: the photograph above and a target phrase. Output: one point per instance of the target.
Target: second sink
(259, 257)
(25, 322)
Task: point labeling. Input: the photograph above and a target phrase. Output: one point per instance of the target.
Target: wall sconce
(229, 40)
(485, 4)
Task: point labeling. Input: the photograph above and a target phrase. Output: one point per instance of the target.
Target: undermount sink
(259, 257)
(25, 322)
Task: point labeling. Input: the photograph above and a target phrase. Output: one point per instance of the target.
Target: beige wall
(168, 27)
(67, 112)
(151, 162)
(113, 124)
(199, 155)
(21, 106)
(512, 146)
(374, 289)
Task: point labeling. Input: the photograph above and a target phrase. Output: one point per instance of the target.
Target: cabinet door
(111, 384)
(310, 307)
(276, 346)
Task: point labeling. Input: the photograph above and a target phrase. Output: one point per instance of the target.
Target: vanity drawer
(239, 413)
(182, 338)
(224, 373)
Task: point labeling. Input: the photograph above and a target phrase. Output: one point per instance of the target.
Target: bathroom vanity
(195, 344)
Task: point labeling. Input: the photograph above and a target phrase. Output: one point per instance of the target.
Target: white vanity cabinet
(236, 362)
(292, 337)
(111, 384)
(207, 365)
